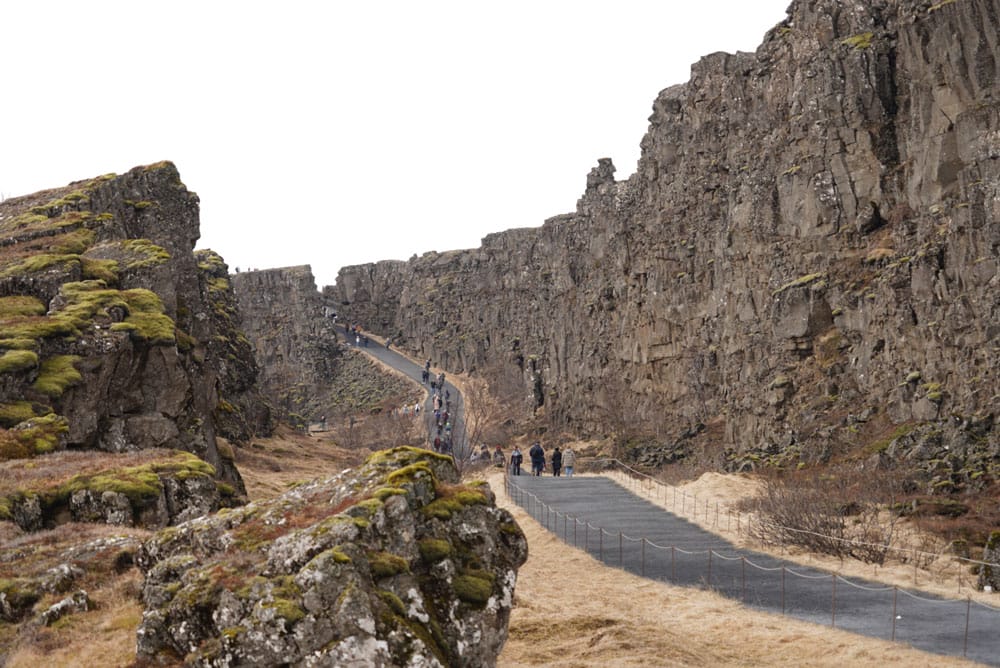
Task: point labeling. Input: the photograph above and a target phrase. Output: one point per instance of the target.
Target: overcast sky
(336, 133)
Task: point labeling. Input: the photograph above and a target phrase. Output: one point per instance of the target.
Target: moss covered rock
(340, 570)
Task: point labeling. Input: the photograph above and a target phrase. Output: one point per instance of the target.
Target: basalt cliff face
(110, 324)
(805, 260)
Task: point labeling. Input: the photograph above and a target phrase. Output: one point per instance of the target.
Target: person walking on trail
(556, 461)
(568, 461)
(515, 461)
(537, 455)
(498, 458)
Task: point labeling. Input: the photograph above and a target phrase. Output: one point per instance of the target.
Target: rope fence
(827, 598)
(724, 518)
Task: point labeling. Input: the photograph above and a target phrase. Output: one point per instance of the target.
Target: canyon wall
(804, 260)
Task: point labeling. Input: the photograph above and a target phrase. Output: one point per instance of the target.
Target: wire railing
(724, 518)
(884, 611)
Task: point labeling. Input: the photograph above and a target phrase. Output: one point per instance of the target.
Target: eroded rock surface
(391, 564)
(805, 258)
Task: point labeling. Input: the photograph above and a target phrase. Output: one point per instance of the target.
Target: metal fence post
(600, 545)
(565, 533)
(782, 590)
(575, 522)
(968, 612)
(621, 559)
(743, 586)
(833, 601)
(673, 561)
(709, 580)
(895, 592)
(642, 559)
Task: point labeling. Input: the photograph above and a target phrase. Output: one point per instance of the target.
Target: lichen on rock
(348, 569)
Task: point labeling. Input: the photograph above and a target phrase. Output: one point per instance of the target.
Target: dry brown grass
(572, 611)
(943, 577)
(58, 467)
(271, 466)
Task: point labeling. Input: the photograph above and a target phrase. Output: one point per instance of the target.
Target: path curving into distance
(591, 511)
(413, 371)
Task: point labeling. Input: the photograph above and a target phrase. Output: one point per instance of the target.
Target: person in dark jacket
(515, 461)
(537, 455)
(556, 461)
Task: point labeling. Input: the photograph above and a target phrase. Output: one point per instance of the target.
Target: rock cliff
(393, 563)
(106, 328)
(805, 260)
(306, 371)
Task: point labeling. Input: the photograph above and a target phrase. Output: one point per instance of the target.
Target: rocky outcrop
(105, 329)
(242, 411)
(810, 236)
(170, 489)
(393, 563)
(294, 342)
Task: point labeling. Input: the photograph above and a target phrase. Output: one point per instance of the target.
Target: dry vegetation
(571, 610)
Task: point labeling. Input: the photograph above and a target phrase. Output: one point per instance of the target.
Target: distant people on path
(557, 459)
(515, 461)
(498, 457)
(568, 461)
(537, 454)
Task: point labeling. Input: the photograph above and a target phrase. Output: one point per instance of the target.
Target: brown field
(570, 610)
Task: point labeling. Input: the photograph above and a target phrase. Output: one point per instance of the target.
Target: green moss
(145, 252)
(386, 565)
(859, 41)
(20, 305)
(233, 632)
(56, 375)
(16, 412)
(468, 497)
(935, 7)
(14, 361)
(434, 549)
(798, 282)
(146, 320)
(511, 529)
(442, 508)
(394, 602)
(18, 344)
(913, 377)
(339, 556)
(40, 262)
(409, 473)
(97, 269)
(41, 434)
(384, 493)
(471, 589)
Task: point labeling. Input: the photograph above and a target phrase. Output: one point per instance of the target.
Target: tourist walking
(515, 461)
(556, 461)
(537, 454)
(568, 461)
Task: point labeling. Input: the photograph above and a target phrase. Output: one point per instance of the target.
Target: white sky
(335, 133)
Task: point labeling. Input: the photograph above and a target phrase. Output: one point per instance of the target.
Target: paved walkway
(414, 371)
(622, 529)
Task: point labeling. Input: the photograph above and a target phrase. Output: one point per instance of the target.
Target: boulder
(394, 563)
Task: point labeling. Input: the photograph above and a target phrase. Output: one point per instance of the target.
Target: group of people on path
(561, 460)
